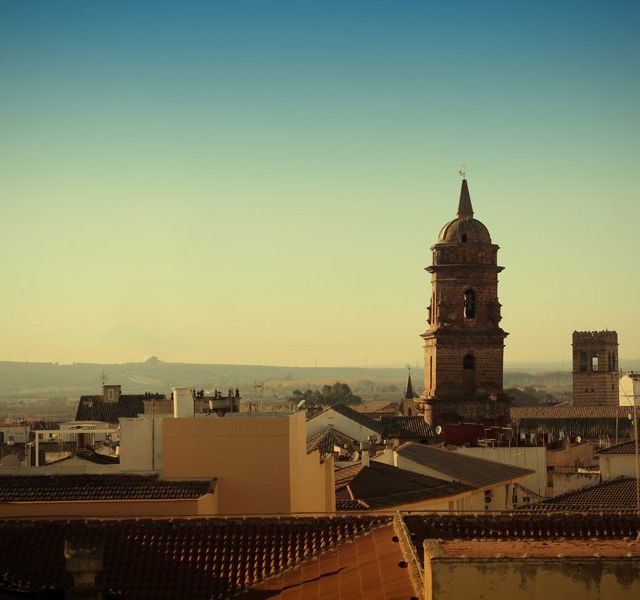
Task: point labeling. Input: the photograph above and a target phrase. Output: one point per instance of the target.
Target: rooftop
(94, 408)
(215, 557)
(615, 495)
(64, 488)
(383, 486)
(538, 549)
(326, 440)
(624, 448)
(470, 470)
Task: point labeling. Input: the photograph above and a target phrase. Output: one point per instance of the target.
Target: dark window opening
(469, 362)
(594, 362)
(464, 238)
(583, 361)
(469, 304)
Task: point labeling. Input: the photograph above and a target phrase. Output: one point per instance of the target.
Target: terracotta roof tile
(477, 472)
(383, 486)
(624, 448)
(187, 558)
(326, 439)
(60, 488)
(406, 428)
(93, 408)
(532, 549)
(617, 494)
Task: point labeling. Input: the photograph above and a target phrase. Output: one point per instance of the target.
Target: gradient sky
(260, 182)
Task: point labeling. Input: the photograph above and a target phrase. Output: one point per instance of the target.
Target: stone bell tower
(464, 343)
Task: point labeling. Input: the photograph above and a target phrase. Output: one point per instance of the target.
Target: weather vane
(463, 170)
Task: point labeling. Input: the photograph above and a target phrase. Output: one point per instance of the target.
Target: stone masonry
(464, 343)
(595, 368)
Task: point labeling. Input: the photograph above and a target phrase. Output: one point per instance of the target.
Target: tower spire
(464, 207)
(409, 393)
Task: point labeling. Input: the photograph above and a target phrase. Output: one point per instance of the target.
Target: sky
(261, 182)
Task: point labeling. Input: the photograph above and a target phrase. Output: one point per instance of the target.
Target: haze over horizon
(260, 183)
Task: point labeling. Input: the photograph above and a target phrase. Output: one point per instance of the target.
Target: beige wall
(569, 482)
(260, 462)
(571, 456)
(613, 466)
(531, 579)
(141, 443)
(500, 493)
(205, 505)
(527, 457)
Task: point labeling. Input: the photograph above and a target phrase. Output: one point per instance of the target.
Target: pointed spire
(409, 391)
(464, 207)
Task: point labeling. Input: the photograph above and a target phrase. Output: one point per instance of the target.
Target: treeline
(338, 393)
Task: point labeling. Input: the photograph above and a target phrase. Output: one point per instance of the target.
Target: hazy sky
(260, 182)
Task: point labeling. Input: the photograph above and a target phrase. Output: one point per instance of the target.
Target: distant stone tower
(464, 344)
(595, 368)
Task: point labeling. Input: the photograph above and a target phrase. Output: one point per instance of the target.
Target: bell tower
(464, 343)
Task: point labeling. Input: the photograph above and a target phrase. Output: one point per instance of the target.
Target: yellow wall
(261, 463)
(448, 578)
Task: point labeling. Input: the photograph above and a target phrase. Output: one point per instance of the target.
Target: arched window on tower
(469, 304)
(469, 362)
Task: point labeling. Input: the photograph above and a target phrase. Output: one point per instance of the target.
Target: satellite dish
(438, 430)
(578, 439)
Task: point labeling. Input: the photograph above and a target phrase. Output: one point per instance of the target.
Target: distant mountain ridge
(52, 379)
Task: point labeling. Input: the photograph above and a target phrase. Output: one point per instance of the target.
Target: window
(594, 362)
(469, 362)
(469, 304)
(583, 361)
(464, 238)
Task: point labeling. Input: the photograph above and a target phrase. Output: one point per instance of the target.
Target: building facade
(595, 368)
(464, 343)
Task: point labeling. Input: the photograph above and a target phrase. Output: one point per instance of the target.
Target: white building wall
(341, 423)
(629, 389)
(534, 458)
(141, 443)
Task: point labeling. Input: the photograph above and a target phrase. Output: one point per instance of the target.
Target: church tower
(464, 343)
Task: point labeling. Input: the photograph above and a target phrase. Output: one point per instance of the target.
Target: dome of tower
(464, 228)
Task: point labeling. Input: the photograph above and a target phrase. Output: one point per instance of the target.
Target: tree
(338, 393)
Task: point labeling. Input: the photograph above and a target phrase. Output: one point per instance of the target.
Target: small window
(594, 362)
(469, 304)
(583, 361)
(464, 238)
(469, 362)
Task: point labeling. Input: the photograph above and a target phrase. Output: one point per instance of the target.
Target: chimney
(365, 458)
(183, 403)
(111, 393)
(84, 563)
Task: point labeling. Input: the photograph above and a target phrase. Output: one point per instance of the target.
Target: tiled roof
(567, 412)
(206, 558)
(614, 495)
(477, 472)
(60, 488)
(406, 428)
(326, 439)
(367, 568)
(624, 448)
(93, 408)
(530, 549)
(521, 526)
(358, 417)
(383, 486)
